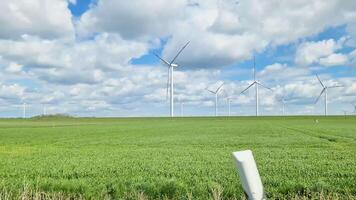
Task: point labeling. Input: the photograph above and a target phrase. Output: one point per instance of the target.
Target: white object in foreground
(249, 176)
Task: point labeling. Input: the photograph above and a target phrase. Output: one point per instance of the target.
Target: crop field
(181, 158)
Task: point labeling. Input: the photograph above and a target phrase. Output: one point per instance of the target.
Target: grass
(183, 158)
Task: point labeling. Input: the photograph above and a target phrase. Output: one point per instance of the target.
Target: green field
(182, 158)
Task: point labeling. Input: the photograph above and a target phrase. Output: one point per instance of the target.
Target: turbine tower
(229, 104)
(216, 92)
(171, 65)
(24, 110)
(325, 92)
(44, 112)
(283, 100)
(255, 83)
(181, 109)
(229, 100)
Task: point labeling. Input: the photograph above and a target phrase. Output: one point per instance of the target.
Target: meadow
(180, 158)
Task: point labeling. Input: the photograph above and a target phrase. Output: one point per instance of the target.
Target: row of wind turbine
(256, 83)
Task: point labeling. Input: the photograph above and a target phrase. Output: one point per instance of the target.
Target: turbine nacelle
(174, 65)
(325, 88)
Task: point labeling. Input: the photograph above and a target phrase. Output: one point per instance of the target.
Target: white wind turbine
(170, 79)
(44, 111)
(181, 109)
(216, 92)
(354, 105)
(228, 99)
(255, 83)
(325, 92)
(283, 100)
(24, 110)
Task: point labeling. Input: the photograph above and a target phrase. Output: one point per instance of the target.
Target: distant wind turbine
(228, 100)
(283, 100)
(24, 110)
(256, 83)
(354, 105)
(171, 65)
(325, 92)
(181, 109)
(44, 112)
(216, 92)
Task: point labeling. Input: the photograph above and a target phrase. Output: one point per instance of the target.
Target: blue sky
(95, 58)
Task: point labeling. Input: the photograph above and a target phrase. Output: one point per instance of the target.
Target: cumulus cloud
(132, 19)
(68, 63)
(42, 18)
(223, 32)
(334, 59)
(86, 68)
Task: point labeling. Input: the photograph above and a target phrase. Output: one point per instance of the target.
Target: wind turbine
(24, 110)
(325, 92)
(255, 83)
(44, 112)
(181, 109)
(345, 113)
(171, 65)
(216, 92)
(229, 104)
(228, 99)
(354, 105)
(283, 100)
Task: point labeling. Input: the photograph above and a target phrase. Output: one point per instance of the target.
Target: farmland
(181, 158)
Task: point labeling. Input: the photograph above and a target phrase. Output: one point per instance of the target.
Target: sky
(96, 57)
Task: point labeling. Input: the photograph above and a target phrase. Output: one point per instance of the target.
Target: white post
(216, 104)
(256, 88)
(249, 176)
(326, 102)
(172, 92)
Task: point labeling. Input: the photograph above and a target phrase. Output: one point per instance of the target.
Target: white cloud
(322, 52)
(68, 63)
(311, 52)
(14, 68)
(222, 32)
(93, 75)
(334, 59)
(42, 18)
(132, 19)
(11, 92)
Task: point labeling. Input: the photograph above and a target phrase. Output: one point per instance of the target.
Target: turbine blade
(264, 86)
(210, 90)
(319, 80)
(165, 62)
(217, 90)
(321, 93)
(179, 52)
(336, 86)
(248, 87)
